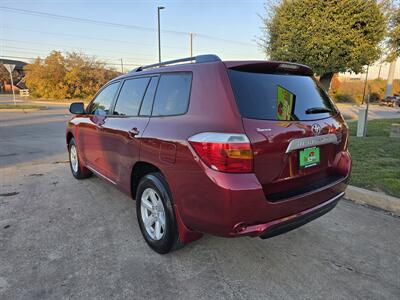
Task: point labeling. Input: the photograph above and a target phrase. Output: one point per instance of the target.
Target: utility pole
(159, 33)
(365, 85)
(363, 111)
(122, 66)
(389, 84)
(379, 73)
(191, 44)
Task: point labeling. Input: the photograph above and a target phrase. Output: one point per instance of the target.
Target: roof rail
(197, 59)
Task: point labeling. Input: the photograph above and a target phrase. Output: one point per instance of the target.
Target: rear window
(172, 96)
(280, 96)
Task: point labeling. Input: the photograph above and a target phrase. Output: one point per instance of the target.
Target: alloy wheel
(73, 155)
(153, 214)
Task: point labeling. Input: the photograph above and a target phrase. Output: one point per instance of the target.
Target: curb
(371, 198)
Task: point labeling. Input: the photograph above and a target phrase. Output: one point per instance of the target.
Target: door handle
(133, 132)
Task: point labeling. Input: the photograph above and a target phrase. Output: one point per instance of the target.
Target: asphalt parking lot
(66, 239)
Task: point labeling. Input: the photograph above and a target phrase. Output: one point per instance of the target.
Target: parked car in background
(229, 148)
(391, 101)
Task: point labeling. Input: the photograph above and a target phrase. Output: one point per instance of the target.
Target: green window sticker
(285, 104)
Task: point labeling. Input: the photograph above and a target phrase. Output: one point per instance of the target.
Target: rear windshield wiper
(318, 110)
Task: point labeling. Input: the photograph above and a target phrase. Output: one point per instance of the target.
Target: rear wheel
(155, 213)
(78, 171)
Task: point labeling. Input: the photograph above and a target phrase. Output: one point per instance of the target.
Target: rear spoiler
(269, 67)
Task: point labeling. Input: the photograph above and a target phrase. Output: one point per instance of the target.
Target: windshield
(280, 96)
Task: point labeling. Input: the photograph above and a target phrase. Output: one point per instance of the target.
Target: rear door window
(130, 97)
(279, 96)
(172, 96)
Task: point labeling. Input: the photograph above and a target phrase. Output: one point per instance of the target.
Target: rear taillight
(224, 152)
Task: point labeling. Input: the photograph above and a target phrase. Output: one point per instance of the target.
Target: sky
(227, 28)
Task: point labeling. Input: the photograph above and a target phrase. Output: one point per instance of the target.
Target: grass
(376, 158)
(21, 106)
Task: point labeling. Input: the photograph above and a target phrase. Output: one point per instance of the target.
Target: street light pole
(191, 44)
(159, 37)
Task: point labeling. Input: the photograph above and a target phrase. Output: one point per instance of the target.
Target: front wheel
(78, 171)
(155, 213)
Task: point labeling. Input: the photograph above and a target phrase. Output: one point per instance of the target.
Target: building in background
(378, 70)
(5, 82)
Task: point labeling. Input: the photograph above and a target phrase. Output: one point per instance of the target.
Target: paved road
(31, 136)
(375, 111)
(66, 239)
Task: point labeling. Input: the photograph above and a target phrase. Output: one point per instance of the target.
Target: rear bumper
(232, 205)
(289, 223)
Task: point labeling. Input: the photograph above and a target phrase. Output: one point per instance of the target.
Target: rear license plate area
(309, 157)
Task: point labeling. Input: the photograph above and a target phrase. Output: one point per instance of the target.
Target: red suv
(229, 148)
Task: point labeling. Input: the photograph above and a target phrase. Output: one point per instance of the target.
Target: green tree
(330, 36)
(69, 76)
(45, 77)
(393, 41)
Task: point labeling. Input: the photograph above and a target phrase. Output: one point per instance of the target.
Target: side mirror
(77, 108)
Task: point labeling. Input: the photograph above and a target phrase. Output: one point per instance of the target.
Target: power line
(112, 24)
(72, 47)
(223, 40)
(112, 40)
(84, 20)
(88, 37)
(102, 59)
(24, 57)
(40, 52)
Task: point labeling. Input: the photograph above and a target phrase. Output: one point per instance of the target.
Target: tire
(153, 189)
(77, 170)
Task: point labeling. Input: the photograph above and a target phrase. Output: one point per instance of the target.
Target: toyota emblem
(316, 129)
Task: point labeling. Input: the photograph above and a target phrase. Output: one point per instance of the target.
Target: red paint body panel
(279, 171)
(205, 200)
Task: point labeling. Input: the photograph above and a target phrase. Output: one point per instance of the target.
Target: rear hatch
(294, 128)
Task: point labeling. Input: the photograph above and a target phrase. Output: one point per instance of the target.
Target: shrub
(66, 77)
(374, 97)
(344, 98)
(355, 88)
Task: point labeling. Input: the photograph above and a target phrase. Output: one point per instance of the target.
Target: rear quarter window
(279, 96)
(172, 96)
(147, 103)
